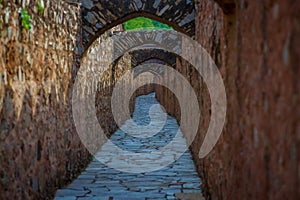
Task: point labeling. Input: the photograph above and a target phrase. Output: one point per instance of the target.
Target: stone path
(178, 180)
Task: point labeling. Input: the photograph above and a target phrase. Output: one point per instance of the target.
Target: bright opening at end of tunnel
(143, 23)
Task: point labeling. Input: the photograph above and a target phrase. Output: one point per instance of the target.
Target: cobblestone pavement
(176, 180)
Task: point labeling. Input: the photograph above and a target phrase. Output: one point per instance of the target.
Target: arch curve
(138, 57)
(100, 16)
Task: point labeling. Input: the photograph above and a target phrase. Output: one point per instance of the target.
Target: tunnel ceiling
(99, 16)
(140, 56)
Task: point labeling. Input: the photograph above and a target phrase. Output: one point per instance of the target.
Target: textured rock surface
(39, 147)
(101, 76)
(255, 47)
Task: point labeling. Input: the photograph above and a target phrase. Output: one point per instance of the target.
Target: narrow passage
(178, 180)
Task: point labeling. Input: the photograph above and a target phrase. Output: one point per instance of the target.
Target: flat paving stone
(172, 181)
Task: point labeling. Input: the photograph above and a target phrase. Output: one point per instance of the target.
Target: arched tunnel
(207, 108)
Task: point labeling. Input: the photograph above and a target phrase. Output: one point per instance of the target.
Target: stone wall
(103, 105)
(103, 80)
(39, 147)
(256, 48)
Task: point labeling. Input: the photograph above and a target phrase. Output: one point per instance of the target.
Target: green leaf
(25, 19)
(41, 6)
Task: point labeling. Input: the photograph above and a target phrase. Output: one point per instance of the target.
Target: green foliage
(25, 19)
(142, 23)
(1, 1)
(41, 6)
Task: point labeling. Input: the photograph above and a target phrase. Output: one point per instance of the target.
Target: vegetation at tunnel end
(143, 23)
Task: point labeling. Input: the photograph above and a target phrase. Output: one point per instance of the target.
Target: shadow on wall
(255, 50)
(39, 147)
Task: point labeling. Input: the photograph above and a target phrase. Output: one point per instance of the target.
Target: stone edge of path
(189, 196)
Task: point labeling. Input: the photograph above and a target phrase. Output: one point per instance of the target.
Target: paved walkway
(178, 180)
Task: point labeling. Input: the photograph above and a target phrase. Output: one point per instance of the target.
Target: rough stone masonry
(39, 148)
(256, 47)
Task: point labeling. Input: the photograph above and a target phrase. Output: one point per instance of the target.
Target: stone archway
(138, 57)
(99, 16)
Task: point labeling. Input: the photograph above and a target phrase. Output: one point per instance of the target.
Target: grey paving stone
(65, 198)
(70, 193)
(99, 181)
